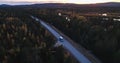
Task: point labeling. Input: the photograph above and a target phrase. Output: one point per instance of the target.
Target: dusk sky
(15, 2)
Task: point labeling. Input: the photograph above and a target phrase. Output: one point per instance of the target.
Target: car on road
(61, 39)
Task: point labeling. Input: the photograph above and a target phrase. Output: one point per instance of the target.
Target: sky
(17, 2)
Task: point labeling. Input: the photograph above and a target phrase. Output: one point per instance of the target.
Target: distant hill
(67, 5)
(70, 5)
(4, 5)
(109, 4)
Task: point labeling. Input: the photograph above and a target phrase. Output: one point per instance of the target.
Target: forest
(95, 29)
(23, 40)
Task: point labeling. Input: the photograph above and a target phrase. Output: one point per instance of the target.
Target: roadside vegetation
(100, 36)
(22, 40)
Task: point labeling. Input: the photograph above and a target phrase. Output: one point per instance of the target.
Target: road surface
(77, 54)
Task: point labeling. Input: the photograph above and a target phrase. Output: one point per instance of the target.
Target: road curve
(77, 54)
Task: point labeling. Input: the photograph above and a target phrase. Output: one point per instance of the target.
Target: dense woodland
(22, 40)
(99, 36)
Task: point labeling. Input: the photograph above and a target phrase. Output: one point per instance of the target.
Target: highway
(66, 44)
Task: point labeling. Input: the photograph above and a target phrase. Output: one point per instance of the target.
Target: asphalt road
(77, 54)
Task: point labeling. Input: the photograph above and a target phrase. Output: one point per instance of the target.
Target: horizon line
(42, 2)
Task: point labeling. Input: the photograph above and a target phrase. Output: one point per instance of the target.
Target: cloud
(32, 0)
(19, 2)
